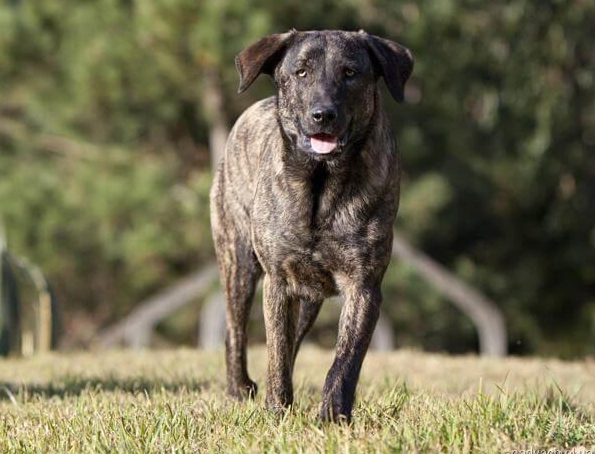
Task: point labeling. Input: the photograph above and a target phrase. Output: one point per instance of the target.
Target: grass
(174, 401)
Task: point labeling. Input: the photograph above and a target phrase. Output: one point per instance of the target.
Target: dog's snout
(323, 114)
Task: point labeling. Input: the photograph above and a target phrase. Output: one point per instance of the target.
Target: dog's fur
(315, 224)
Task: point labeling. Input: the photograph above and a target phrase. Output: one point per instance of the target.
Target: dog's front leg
(281, 312)
(358, 319)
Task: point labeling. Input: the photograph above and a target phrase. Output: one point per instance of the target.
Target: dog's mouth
(323, 143)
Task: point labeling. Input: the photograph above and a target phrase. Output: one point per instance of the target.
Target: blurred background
(113, 111)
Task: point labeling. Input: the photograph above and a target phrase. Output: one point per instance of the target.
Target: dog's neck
(357, 159)
(320, 186)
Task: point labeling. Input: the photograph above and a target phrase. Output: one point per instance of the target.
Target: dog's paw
(279, 402)
(243, 391)
(277, 411)
(334, 410)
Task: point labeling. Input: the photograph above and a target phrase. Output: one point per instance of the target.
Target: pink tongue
(323, 144)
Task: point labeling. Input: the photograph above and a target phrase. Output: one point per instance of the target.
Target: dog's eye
(349, 72)
(301, 73)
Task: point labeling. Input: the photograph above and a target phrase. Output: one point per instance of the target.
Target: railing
(136, 328)
(24, 329)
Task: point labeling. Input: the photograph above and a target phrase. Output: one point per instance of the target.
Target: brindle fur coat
(313, 223)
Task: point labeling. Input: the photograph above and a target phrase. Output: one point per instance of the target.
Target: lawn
(174, 401)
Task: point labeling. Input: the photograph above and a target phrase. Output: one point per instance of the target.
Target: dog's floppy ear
(394, 61)
(261, 57)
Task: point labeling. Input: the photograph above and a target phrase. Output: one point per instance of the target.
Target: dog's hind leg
(308, 312)
(240, 272)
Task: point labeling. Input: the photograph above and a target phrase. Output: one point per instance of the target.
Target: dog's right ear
(261, 57)
(394, 60)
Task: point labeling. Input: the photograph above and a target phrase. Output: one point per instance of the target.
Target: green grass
(174, 401)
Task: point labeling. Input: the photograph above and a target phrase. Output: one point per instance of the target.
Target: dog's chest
(307, 242)
(305, 259)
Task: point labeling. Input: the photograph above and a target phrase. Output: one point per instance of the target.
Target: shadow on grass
(74, 386)
(558, 400)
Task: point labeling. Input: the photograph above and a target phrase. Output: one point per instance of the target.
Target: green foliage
(502, 121)
(109, 229)
(103, 149)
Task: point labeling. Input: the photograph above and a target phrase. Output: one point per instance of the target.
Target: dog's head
(326, 82)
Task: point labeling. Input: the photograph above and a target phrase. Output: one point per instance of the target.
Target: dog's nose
(324, 114)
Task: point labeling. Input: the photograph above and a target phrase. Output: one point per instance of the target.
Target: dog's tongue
(323, 143)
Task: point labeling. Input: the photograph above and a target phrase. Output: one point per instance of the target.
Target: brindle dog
(307, 192)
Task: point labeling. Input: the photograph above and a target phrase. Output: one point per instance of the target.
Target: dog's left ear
(394, 61)
(261, 57)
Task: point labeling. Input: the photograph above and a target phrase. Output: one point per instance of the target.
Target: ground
(407, 401)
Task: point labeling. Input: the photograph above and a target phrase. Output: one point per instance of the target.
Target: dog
(306, 195)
